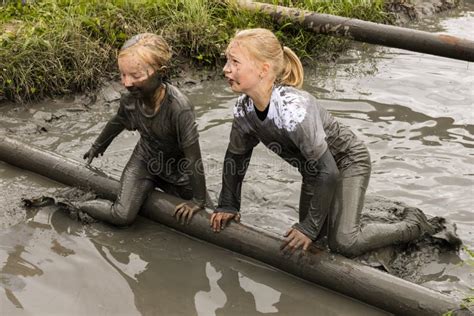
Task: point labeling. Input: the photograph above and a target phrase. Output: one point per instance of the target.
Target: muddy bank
(406, 11)
(80, 50)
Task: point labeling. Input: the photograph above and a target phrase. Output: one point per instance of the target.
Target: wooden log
(369, 32)
(329, 270)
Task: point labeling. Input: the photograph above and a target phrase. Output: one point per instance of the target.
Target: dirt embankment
(411, 10)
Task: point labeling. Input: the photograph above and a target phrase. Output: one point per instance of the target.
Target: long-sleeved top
(305, 135)
(169, 141)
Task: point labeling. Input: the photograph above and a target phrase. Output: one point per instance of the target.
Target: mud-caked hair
(151, 48)
(264, 46)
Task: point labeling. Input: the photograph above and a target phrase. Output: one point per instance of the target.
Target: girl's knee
(123, 216)
(344, 244)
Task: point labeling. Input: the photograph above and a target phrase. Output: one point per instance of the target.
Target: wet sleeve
(241, 142)
(123, 116)
(319, 185)
(113, 127)
(196, 171)
(233, 173)
(186, 128)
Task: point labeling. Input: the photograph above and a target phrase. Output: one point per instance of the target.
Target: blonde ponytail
(293, 73)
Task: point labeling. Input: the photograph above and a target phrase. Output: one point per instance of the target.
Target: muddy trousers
(136, 183)
(345, 234)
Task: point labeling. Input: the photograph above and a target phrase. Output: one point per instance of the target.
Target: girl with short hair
(167, 155)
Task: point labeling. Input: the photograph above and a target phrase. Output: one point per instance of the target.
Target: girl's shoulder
(291, 96)
(243, 106)
(178, 99)
(290, 107)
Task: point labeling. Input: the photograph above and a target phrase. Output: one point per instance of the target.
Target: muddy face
(241, 70)
(139, 78)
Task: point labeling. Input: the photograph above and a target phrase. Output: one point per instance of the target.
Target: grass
(53, 47)
(468, 301)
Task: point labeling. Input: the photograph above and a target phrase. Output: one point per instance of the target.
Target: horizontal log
(329, 270)
(369, 32)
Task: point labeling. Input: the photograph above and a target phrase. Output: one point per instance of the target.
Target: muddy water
(414, 111)
(51, 264)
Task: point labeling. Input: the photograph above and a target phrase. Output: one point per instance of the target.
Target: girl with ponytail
(334, 164)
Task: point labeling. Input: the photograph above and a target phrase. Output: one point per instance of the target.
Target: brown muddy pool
(414, 111)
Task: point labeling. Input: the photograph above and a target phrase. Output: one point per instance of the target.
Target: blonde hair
(151, 48)
(265, 47)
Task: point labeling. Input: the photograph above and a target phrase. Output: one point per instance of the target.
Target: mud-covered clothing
(298, 129)
(164, 134)
(319, 183)
(345, 234)
(167, 155)
(136, 183)
(305, 135)
(334, 164)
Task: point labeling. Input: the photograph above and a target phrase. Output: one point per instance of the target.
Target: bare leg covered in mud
(347, 236)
